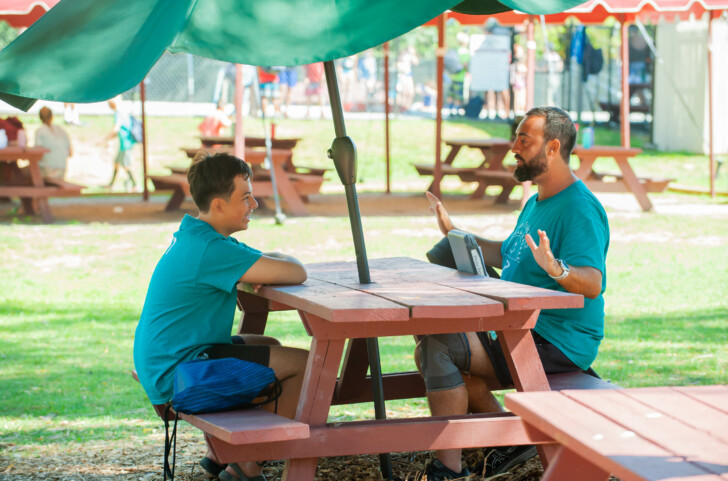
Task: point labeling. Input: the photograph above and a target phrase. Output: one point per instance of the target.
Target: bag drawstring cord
(170, 443)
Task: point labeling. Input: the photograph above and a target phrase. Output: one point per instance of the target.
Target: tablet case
(467, 253)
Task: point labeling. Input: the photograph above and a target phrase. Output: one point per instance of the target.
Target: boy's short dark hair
(213, 176)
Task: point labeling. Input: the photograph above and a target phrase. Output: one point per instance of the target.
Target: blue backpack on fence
(214, 385)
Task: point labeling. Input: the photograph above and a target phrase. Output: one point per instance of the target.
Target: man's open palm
(542, 252)
(443, 218)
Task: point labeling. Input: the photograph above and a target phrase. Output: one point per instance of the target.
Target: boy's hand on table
(251, 288)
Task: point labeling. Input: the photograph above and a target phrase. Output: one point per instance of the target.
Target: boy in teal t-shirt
(191, 299)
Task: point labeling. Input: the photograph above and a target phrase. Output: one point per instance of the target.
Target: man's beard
(532, 168)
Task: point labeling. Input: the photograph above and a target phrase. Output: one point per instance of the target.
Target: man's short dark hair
(213, 176)
(557, 125)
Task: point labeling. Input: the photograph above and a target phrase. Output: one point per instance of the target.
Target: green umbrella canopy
(92, 50)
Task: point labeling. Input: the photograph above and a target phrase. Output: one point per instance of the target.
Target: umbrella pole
(343, 153)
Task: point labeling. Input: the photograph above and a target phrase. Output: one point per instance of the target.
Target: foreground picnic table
(406, 297)
(657, 433)
(34, 190)
(626, 181)
(490, 172)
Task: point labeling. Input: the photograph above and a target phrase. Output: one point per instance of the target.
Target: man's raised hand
(443, 219)
(542, 253)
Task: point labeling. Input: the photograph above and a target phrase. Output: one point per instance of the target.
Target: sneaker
(436, 471)
(501, 459)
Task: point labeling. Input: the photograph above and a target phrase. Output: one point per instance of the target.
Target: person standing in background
(368, 75)
(288, 79)
(122, 130)
(405, 81)
(456, 92)
(70, 114)
(56, 140)
(314, 87)
(269, 88)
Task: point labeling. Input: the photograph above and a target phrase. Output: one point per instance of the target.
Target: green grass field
(70, 297)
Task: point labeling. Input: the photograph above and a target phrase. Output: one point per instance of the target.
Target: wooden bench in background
(483, 176)
(33, 190)
(293, 187)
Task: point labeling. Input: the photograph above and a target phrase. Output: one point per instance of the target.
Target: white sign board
(490, 62)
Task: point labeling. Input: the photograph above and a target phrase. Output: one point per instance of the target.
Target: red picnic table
(625, 181)
(639, 434)
(407, 297)
(33, 189)
(490, 172)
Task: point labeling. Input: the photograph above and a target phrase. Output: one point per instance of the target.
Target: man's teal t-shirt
(190, 303)
(578, 230)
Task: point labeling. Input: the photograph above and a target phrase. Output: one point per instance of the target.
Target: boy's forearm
(285, 257)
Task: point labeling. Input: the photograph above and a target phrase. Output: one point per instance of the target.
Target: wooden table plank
(423, 299)
(715, 396)
(675, 436)
(427, 300)
(681, 405)
(335, 303)
(597, 437)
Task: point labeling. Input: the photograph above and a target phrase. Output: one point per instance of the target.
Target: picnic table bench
(638, 434)
(33, 190)
(625, 181)
(490, 172)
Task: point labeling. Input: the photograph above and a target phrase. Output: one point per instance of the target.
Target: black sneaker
(501, 459)
(436, 471)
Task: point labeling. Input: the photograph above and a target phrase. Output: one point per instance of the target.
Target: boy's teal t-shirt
(190, 303)
(577, 227)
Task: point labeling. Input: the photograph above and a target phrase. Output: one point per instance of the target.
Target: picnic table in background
(626, 181)
(407, 297)
(490, 172)
(294, 188)
(33, 189)
(284, 143)
(654, 433)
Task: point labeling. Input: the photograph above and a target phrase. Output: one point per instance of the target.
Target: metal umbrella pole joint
(343, 153)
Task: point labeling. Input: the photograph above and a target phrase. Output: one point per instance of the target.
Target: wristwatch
(563, 275)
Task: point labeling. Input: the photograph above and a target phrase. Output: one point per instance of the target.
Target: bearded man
(560, 242)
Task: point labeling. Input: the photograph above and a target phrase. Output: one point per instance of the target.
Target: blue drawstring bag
(214, 385)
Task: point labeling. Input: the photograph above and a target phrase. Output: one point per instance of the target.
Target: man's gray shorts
(443, 357)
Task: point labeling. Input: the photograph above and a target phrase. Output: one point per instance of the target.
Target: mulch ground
(125, 460)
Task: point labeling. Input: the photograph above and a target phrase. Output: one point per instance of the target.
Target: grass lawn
(70, 297)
